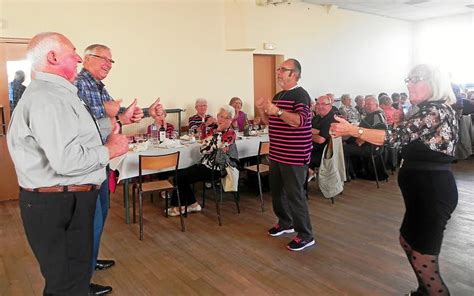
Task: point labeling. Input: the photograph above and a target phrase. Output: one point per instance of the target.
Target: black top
(323, 124)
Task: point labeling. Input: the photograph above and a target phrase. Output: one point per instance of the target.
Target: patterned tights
(427, 272)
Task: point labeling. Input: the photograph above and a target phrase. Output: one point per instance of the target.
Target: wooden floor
(357, 251)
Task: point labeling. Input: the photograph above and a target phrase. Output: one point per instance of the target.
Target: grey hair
(358, 98)
(200, 100)
(385, 100)
(91, 48)
(39, 47)
(371, 97)
(229, 109)
(235, 99)
(345, 96)
(438, 81)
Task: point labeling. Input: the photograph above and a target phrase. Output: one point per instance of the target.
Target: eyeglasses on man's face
(283, 69)
(414, 79)
(106, 59)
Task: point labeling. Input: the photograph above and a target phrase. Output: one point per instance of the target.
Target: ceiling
(410, 10)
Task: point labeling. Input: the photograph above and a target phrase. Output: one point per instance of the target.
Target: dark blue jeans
(100, 215)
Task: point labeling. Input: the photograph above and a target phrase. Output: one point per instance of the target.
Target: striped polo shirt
(288, 144)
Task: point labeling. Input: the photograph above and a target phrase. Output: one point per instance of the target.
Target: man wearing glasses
(96, 66)
(289, 118)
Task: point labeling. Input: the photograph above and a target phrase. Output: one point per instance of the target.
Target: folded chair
(168, 162)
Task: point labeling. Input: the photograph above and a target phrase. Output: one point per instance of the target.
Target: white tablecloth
(127, 165)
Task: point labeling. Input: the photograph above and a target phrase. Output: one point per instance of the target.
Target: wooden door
(10, 50)
(264, 76)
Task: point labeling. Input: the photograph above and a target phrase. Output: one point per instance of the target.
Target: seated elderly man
(347, 111)
(360, 102)
(196, 120)
(355, 147)
(320, 132)
(218, 151)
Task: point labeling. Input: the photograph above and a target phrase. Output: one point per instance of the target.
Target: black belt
(425, 166)
(68, 188)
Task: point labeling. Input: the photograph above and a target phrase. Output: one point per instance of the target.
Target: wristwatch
(360, 132)
(279, 112)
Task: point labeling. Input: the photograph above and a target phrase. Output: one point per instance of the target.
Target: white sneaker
(194, 208)
(311, 177)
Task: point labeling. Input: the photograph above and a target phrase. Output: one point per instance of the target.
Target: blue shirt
(92, 92)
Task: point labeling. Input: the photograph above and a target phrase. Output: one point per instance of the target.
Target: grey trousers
(289, 199)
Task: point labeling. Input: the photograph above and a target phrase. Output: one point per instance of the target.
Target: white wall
(177, 49)
(447, 42)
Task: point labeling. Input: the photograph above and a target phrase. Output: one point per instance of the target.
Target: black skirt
(430, 198)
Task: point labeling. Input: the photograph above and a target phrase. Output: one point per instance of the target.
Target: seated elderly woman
(161, 121)
(347, 111)
(240, 117)
(391, 114)
(197, 119)
(218, 150)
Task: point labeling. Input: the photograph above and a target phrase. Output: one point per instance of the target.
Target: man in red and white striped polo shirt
(289, 118)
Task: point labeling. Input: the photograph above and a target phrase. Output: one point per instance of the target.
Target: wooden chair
(156, 162)
(260, 168)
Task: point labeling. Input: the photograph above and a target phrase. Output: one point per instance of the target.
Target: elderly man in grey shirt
(60, 162)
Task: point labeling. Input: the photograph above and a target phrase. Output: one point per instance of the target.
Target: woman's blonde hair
(438, 81)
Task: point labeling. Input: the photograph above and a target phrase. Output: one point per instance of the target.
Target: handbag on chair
(230, 182)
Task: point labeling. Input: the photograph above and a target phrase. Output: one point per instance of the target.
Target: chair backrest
(264, 148)
(159, 162)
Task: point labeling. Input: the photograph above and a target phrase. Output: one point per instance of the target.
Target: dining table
(127, 165)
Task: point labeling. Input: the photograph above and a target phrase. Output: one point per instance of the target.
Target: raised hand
(133, 113)
(156, 109)
(341, 128)
(112, 107)
(116, 144)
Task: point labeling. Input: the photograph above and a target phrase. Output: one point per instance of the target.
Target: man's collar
(89, 75)
(54, 78)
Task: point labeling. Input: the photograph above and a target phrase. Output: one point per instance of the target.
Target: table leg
(125, 201)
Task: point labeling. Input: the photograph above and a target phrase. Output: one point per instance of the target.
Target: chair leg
(134, 187)
(203, 195)
(218, 208)
(183, 228)
(260, 190)
(166, 204)
(237, 198)
(140, 213)
(375, 170)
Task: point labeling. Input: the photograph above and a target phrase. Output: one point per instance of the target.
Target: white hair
(229, 109)
(200, 100)
(40, 46)
(438, 81)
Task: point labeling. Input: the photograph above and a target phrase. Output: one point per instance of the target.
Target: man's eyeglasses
(283, 69)
(414, 79)
(103, 58)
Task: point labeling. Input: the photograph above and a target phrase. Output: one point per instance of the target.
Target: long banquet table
(127, 165)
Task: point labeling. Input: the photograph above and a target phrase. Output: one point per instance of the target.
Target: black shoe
(297, 244)
(277, 230)
(104, 264)
(95, 289)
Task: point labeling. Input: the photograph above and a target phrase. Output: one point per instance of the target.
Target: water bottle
(154, 133)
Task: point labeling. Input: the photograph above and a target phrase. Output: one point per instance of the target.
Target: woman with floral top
(218, 151)
(428, 140)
